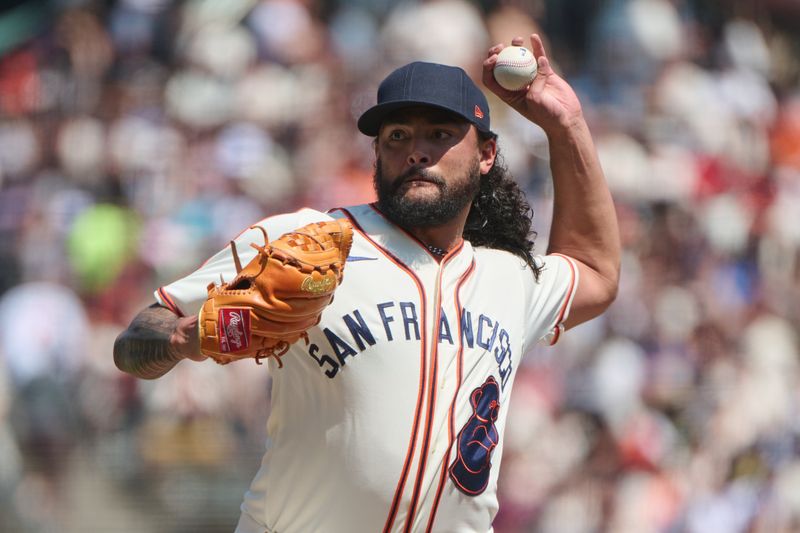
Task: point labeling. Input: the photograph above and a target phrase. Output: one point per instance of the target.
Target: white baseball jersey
(391, 418)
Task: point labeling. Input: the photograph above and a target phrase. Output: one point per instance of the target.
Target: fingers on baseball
(488, 73)
(494, 50)
(540, 81)
(538, 51)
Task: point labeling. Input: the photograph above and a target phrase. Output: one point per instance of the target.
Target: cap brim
(369, 123)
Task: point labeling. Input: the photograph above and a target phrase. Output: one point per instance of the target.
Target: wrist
(175, 352)
(566, 128)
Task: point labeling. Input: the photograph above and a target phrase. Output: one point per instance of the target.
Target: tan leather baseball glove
(277, 296)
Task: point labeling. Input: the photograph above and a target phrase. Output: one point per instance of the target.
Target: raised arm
(584, 220)
(155, 342)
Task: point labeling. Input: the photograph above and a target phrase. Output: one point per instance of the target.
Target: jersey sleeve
(186, 296)
(550, 299)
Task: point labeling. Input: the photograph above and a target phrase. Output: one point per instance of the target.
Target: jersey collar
(403, 245)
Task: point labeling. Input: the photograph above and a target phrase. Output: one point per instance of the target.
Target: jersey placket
(444, 377)
(451, 392)
(417, 475)
(433, 385)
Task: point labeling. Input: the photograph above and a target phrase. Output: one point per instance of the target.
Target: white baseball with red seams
(515, 68)
(391, 417)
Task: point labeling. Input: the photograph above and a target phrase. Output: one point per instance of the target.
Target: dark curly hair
(500, 216)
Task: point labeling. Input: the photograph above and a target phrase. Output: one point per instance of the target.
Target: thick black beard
(426, 213)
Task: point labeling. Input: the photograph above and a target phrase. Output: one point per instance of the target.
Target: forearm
(153, 344)
(584, 220)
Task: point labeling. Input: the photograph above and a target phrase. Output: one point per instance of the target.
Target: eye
(442, 135)
(396, 135)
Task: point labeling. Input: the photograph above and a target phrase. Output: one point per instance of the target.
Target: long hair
(500, 216)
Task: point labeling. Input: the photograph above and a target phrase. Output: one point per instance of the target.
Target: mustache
(418, 173)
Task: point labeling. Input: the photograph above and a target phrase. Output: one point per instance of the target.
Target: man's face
(428, 167)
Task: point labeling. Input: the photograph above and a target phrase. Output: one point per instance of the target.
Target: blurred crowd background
(138, 136)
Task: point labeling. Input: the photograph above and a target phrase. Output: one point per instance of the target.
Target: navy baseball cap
(427, 84)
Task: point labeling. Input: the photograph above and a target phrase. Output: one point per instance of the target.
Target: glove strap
(236, 258)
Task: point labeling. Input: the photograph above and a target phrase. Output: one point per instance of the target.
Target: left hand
(549, 101)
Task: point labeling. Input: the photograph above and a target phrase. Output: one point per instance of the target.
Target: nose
(419, 155)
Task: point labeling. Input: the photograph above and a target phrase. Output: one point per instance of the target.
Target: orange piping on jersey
(556, 335)
(426, 440)
(170, 302)
(459, 377)
(398, 494)
(411, 236)
(568, 299)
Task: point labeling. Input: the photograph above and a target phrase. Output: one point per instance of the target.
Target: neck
(445, 237)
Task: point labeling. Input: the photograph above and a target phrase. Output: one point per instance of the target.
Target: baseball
(515, 68)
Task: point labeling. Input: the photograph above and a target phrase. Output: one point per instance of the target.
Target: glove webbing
(280, 255)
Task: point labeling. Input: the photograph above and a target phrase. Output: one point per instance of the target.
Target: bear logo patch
(477, 440)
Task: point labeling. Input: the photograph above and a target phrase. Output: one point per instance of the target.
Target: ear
(488, 151)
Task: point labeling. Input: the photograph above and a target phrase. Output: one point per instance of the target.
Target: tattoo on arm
(143, 349)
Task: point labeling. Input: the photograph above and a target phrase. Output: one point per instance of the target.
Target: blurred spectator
(138, 137)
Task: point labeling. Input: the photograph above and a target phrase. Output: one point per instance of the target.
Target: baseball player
(389, 416)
